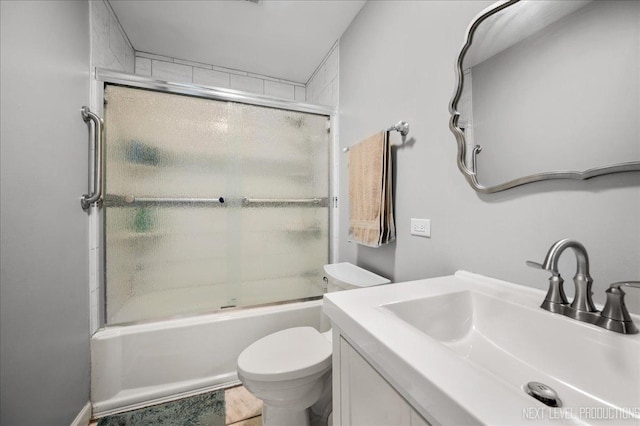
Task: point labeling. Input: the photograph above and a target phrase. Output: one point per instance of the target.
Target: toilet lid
(288, 354)
(354, 275)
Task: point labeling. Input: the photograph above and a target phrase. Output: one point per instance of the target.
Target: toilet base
(320, 411)
(279, 416)
(316, 415)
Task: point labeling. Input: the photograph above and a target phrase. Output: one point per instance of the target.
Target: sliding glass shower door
(211, 204)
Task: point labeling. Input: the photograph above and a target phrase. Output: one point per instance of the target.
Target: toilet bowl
(290, 370)
(287, 370)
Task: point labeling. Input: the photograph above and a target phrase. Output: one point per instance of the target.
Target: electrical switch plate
(421, 227)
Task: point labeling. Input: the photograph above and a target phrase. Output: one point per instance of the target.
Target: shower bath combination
(210, 204)
(213, 202)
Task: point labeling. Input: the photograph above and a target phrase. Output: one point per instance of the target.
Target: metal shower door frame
(105, 76)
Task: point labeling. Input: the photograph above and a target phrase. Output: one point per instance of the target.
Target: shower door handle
(96, 195)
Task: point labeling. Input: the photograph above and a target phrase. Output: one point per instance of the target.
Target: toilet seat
(286, 355)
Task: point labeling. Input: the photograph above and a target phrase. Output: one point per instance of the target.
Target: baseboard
(84, 416)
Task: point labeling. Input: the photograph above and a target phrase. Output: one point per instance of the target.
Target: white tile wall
(110, 47)
(143, 66)
(130, 60)
(171, 72)
(331, 64)
(211, 77)
(279, 90)
(154, 56)
(263, 77)
(183, 71)
(325, 97)
(322, 87)
(319, 79)
(117, 43)
(247, 84)
(300, 94)
(99, 26)
(192, 64)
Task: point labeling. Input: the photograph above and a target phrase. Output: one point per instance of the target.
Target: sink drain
(543, 393)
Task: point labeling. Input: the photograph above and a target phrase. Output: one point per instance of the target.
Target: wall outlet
(421, 227)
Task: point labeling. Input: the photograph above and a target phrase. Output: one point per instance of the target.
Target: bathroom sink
(519, 344)
(463, 348)
(445, 317)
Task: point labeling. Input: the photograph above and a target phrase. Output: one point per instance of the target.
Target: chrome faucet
(556, 301)
(614, 316)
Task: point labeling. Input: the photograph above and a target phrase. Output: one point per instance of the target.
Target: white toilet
(290, 370)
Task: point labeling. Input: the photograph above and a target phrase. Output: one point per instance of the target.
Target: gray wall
(397, 63)
(44, 318)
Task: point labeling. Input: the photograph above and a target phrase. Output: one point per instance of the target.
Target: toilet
(290, 370)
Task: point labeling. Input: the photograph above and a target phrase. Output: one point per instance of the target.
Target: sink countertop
(478, 377)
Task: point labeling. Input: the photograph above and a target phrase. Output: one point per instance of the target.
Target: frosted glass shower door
(210, 204)
(284, 186)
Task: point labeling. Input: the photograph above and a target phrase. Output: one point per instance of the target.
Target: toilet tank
(345, 276)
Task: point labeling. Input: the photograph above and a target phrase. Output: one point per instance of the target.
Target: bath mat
(206, 409)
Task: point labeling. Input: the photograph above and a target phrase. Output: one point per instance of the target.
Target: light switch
(421, 227)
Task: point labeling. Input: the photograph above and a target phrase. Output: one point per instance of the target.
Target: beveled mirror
(548, 90)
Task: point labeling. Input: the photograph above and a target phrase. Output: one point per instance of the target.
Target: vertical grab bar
(96, 195)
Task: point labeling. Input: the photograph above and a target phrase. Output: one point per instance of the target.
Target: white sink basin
(445, 317)
(518, 344)
(465, 347)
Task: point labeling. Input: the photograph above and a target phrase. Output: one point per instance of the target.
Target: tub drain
(543, 393)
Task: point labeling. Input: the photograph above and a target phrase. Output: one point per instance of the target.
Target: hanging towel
(370, 192)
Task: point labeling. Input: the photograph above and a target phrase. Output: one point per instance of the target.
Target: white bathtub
(137, 365)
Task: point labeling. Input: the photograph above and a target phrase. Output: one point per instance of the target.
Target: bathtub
(138, 365)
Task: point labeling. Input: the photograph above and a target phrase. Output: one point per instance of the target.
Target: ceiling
(279, 38)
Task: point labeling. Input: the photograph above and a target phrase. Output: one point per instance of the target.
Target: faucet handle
(615, 315)
(544, 267)
(533, 264)
(555, 300)
(616, 286)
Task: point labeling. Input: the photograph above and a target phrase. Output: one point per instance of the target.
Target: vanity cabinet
(362, 397)
(454, 350)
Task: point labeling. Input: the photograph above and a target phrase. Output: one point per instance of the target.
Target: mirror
(548, 90)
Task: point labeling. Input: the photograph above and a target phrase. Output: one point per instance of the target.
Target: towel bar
(400, 126)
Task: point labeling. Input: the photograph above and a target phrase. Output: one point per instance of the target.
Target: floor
(233, 406)
(242, 408)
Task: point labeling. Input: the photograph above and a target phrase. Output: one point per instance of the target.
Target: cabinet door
(367, 398)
